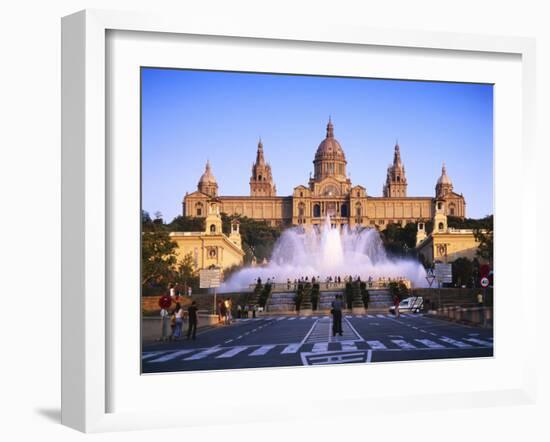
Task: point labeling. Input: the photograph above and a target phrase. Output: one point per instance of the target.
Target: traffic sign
(430, 277)
(484, 282)
(165, 302)
(210, 278)
(443, 272)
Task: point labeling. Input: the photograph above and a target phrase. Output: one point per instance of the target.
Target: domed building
(328, 192)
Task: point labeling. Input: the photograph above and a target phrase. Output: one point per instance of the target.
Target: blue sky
(191, 116)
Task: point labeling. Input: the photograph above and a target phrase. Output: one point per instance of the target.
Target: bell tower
(261, 181)
(396, 181)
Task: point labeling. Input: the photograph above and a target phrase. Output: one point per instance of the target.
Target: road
(277, 341)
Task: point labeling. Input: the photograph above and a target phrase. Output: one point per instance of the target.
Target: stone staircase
(380, 301)
(280, 302)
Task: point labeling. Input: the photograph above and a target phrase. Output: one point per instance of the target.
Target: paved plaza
(277, 341)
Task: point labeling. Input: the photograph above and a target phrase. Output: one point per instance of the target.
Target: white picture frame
(86, 211)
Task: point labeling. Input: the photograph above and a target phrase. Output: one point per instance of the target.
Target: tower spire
(330, 128)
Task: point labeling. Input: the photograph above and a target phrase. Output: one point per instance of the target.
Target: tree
(462, 272)
(185, 272)
(258, 237)
(158, 254)
(187, 224)
(399, 240)
(485, 239)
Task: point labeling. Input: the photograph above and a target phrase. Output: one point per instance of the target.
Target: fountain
(327, 251)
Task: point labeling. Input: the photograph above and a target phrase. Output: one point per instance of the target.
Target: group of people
(223, 310)
(175, 291)
(172, 322)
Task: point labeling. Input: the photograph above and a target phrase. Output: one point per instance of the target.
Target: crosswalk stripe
(348, 345)
(370, 316)
(291, 348)
(149, 355)
(376, 345)
(232, 352)
(292, 318)
(203, 354)
(172, 355)
(480, 342)
(303, 317)
(320, 346)
(403, 344)
(454, 342)
(262, 350)
(380, 316)
(429, 343)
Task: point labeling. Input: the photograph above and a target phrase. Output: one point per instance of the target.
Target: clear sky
(191, 116)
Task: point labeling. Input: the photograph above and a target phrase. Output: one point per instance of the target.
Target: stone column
(306, 307)
(357, 306)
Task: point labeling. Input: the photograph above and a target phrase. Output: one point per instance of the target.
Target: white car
(409, 305)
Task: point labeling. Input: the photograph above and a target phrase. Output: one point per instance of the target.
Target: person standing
(336, 311)
(179, 322)
(223, 312)
(192, 317)
(164, 325)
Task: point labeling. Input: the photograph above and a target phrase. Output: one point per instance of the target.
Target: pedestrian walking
(254, 311)
(396, 305)
(336, 311)
(192, 317)
(223, 312)
(165, 332)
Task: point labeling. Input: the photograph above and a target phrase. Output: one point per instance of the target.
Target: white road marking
(380, 316)
(454, 342)
(376, 345)
(480, 342)
(429, 343)
(203, 354)
(262, 350)
(319, 347)
(232, 352)
(369, 356)
(172, 355)
(151, 354)
(303, 317)
(291, 348)
(348, 345)
(403, 344)
(292, 318)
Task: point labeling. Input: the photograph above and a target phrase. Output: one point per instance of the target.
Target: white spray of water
(328, 252)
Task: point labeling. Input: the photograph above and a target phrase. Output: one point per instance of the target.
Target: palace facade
(328, 192)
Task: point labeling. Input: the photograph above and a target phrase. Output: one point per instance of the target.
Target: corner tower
(396, 181)
(261, 181)
(444, 184)
(207, 183)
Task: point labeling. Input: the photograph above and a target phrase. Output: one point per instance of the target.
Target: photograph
(302, 220)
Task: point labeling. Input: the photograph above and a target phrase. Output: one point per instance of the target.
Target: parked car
(409, 305)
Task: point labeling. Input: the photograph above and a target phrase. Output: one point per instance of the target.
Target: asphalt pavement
(277, 341)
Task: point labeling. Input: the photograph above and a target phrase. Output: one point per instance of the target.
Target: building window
(358, 194)
(344, 210)
(198, 209)
(372, 222)
(301, 194)
(301, 210)
(213, 228)
(439, 206)
(441, 227)
(316, 211)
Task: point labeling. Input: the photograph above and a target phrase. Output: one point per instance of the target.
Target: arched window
(316, 211)
(440, 226)
(259, 177)
(198, 209)
(213, 228)
(398, 179)
(301, 194)
(451, 209)
(358, 193)
(344, 210)
(439, 206)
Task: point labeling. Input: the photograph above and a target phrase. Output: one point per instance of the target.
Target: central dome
(330, 148)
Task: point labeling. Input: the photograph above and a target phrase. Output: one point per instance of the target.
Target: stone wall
(454, 296)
